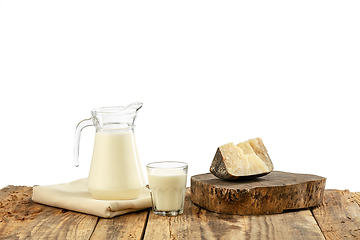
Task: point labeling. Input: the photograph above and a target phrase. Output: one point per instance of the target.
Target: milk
(115, 172)
(167, 188)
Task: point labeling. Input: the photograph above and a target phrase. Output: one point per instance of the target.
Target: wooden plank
(129, 226)
(158, 227)
(21, 218)
(10, 220)
(298, 224)
(339, 215)
(198, 223)
(355, 197)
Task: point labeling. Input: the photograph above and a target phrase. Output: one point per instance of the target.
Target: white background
(208, 73)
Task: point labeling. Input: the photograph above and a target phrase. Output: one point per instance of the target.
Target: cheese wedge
(247, 159)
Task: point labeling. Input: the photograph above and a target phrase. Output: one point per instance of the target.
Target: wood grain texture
(198, 223)
(339, 215)
(128, 226)
(355, 197)
(21, 218)
(269, 194)
(298, 224)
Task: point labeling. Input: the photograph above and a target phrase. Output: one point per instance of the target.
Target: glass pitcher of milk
(115, 172)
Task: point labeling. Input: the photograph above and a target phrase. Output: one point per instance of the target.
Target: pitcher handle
(84, 123)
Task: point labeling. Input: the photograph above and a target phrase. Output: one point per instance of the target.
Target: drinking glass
(167, 181)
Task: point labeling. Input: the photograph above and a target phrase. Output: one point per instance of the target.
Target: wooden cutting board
(273, 193)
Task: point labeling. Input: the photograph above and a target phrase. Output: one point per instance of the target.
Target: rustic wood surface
(337, 217)
(21, 218)
(120, 227)
(198, 223)
(273, 193)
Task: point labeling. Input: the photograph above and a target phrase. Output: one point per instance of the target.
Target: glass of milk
(167, 181)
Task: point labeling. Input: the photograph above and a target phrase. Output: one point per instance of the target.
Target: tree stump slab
(273, 193)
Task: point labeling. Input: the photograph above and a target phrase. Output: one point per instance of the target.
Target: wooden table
(338, 217)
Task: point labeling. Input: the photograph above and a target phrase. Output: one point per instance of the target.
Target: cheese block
(247, 159)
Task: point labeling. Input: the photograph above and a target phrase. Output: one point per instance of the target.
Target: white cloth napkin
(75, 196)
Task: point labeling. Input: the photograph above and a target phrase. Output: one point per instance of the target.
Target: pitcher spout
(133, 107)
(118, 117)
